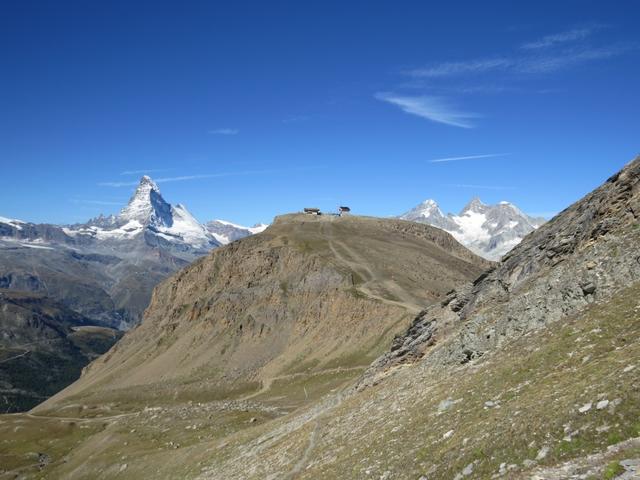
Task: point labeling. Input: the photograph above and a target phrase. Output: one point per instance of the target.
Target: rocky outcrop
(585, 254)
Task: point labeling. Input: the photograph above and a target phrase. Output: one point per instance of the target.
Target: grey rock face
(583, 255)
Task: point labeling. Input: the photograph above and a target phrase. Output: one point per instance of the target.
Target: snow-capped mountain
(148, 216)
(488, 230)
(227, 232)
(106, 268)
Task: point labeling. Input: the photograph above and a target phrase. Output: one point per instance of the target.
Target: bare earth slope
(309, 293)
(255, 331)
(530, 372)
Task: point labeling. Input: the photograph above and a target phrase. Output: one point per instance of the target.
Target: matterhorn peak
(147, 184)
(147, 206)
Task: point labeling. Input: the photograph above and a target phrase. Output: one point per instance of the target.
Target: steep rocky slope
(585, 254)
(531, 372)
(310, 293)
(43, 347)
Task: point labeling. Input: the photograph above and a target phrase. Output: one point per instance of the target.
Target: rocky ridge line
(583, 255)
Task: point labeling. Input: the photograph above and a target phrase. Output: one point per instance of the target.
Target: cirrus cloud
(436, 109)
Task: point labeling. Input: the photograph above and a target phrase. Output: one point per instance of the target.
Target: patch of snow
(472, 226)
(185, 226)
(261, 227)
(234, 225)
(220, 238)
(13, 222)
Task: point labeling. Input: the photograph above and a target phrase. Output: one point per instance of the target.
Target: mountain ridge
(292, 284)
(488, 230)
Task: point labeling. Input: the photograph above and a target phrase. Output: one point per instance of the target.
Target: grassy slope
(315, 309)
(384, 249)
(538, 383)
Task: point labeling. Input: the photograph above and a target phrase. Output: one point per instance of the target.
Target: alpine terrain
(488, 230)
(104, 269)
(256, 330)
(61, 287)
(352, 347)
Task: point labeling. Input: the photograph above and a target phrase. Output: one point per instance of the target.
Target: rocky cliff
(585, 254)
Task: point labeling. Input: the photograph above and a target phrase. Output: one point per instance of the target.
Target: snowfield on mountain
(487, 230)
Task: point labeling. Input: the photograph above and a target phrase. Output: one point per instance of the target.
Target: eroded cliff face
(309, 294)
(586, 254)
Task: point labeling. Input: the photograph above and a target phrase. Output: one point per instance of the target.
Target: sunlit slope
(308, 294)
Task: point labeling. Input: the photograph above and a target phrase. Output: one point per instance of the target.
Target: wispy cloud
(436, 109)
(484, 187)
(148, 170)
(530, 62)
(468, 157)
(496, 74)
(185, 178)
(555, 39)
(448, 69)
(224, 131)
(572, 57)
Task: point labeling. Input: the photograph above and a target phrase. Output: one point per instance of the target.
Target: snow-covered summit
(147, 206)
(488, 230)
(429, 212)
(226, 232)
(149, 217)
(475, 205)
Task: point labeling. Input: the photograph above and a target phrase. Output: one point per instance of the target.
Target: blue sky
(244, 110)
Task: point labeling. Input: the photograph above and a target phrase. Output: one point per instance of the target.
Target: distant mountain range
(487, 230)
(106, 268)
